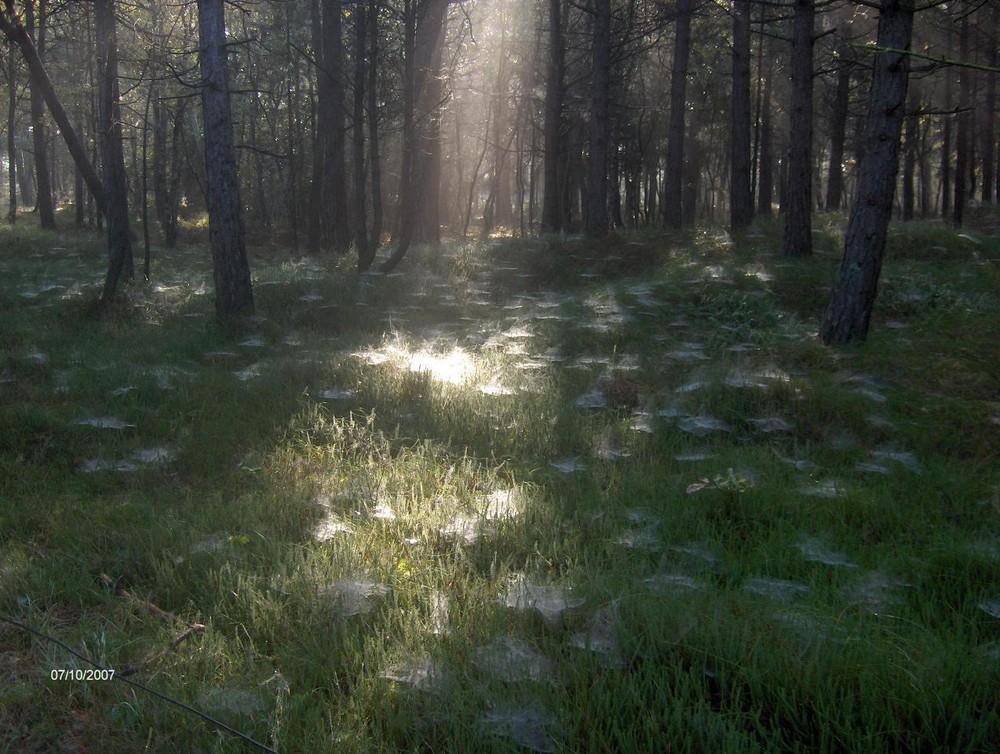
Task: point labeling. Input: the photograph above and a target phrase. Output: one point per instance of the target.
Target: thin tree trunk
(358, 133)
(231, 271)
(989, 115)
(963, 142)
(671, 196)
(119, 235)
(765, 187)
(910, 156)
(555, 93)
(740, 194)
(11, 143)
(798, 206)
(373, 137)
(597, 158)
(335, 207)
(428, 38)
(838, 131)
(848, 313)
(44, 205)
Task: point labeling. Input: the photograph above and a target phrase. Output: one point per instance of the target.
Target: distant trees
(426, 117)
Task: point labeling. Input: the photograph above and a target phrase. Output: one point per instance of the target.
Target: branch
(932, 58)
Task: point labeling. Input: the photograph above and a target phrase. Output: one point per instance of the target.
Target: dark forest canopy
(366, 127)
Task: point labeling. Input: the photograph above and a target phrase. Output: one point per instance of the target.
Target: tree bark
(358, 134)
(848, 313)
(989, 153)
(11, 143)
(798, 207)
(963, 142)
(740, 193)
(673, 176)
(428, 38)
(600, 126)
(373, 135)
(36, 25)
(335, 209)
(765, 186)
(555, 94)
(119, 235)
(910, 157)
(231, 271)
(838, 127)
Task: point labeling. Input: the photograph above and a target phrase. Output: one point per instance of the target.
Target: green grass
(356, 496)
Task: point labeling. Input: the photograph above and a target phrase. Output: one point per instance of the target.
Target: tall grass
(555, 496)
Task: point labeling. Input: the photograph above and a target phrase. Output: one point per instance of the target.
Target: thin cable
(207, 718)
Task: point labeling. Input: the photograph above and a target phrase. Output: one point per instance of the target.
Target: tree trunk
(597, 159)
(428, 38)
(910, 157)
(673, 176)
(798, 207)
(963, 142)
(167, 169)
(373, 137)
(848, 313)
(740, 193)
(765, 186)
(989, 153)
(555, 93)
(334, 195)
(838, 130)
(44, 205)
(358, 133)
(11, 143)
(231, 271)
(109, 130)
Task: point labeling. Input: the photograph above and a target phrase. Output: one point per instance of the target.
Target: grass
(761, 545)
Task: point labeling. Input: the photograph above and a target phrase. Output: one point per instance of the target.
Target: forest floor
(520, 495)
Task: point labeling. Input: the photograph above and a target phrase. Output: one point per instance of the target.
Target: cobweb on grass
(530, 726)
(549, 601)
(422, 673)
(601, 637)
(356, 596)
(512, 660)
(815, 551)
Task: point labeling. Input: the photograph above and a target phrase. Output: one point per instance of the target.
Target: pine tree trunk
(555, 94)
(964, 136)
(798, 206)
(910, 157)
(119, 235)
(11, 143)
(231, 271)
(334, 194)
(765, 186)
(838, 133)
(373, 136)
(600, 126)
(989, 115)
(673, 177)
(358, 133)
(39, 127)
(848, 313)
(740, 194)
